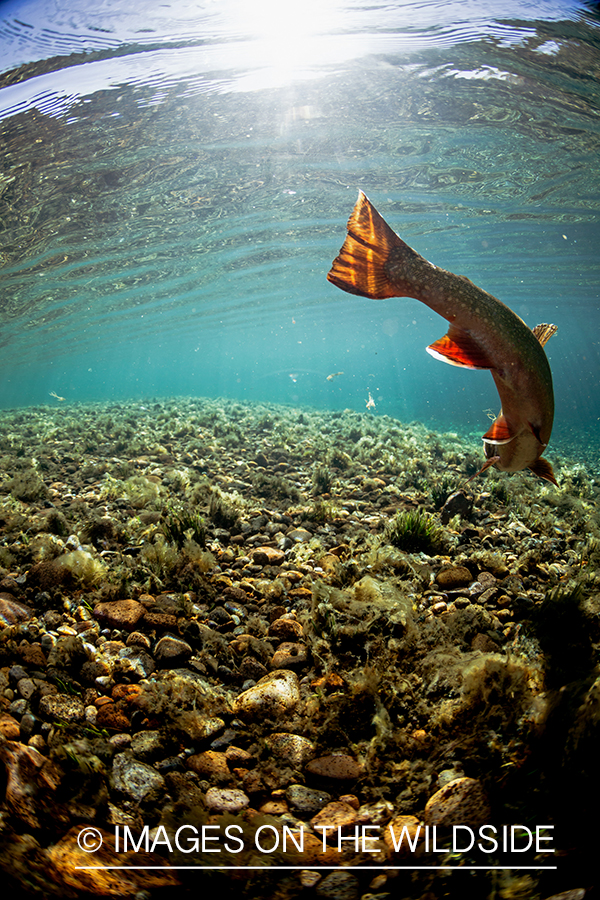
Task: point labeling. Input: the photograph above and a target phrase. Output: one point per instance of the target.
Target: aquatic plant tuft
(414, 531)
(182, 526)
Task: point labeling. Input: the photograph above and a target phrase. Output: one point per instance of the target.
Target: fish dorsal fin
(360, 266)
(543, 333)
(543, 469)
(499, 433)
(459, 348)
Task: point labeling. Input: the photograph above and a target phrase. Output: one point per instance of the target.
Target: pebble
(462, 801)
(289, 656)
(336, 766)
(298, 750)
(336, 814)
(171, 651)
(136, 780)
(268, 556)
(285, 630)
(339, 886)
(226, 800)
(305, 800)
(211, 764)
(12, 612)
(147, 745)
(275, 695)
(454, 577)
(119, 614)
(299, 535)
(9, 727)
(64, 707)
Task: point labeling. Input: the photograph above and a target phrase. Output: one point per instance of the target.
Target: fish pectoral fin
(490, 462)
(543, 469)
(499, 433)
(544, 332)
(459, 348)
(360, 266)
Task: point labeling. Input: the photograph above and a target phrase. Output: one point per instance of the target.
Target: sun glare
(291, 40)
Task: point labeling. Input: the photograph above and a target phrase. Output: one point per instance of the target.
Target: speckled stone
(335, 815)
(306, 800)
(147, 745)
(336, 766)
(460, 802)
(119, 613)
(226, 800)
(298, 750)
(339, 886)
(136, 780)
(64, 707)
(275, 695)
(212, 765)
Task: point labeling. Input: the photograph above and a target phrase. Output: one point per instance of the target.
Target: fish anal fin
(360, 267)
(544, 332)
(499, 433)
(543, 469)
(459, 348)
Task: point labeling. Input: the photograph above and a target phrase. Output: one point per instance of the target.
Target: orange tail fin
(360, 267)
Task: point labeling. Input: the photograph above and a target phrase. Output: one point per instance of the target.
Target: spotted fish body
(483, 334)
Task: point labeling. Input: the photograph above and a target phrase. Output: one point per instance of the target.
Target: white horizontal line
(320, 868)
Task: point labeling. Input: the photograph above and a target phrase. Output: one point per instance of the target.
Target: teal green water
(176, 180)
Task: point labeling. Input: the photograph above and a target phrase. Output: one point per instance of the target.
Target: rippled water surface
(176, 180)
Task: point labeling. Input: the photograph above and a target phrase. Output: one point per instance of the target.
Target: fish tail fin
(361, 267)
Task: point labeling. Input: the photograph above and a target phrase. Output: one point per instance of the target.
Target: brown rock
(285, 630)
(9, 727)
(112, 718)
(336, 766)
(300, 593)
(126, 692)
(289, 656)
(31, 783)
(462, 801)
(32, 655)
(453, 577)
(67, 861)
(160, 620)
(119, 614)
(11, 611)
(335, 815)
(268, 556)
(211, 765)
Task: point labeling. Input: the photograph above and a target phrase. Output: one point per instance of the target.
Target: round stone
(226, 800)
(459, 802)
(336, 766)
(275, 695)
(292, 747)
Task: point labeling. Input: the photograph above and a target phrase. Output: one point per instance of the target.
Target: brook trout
(483, 334)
